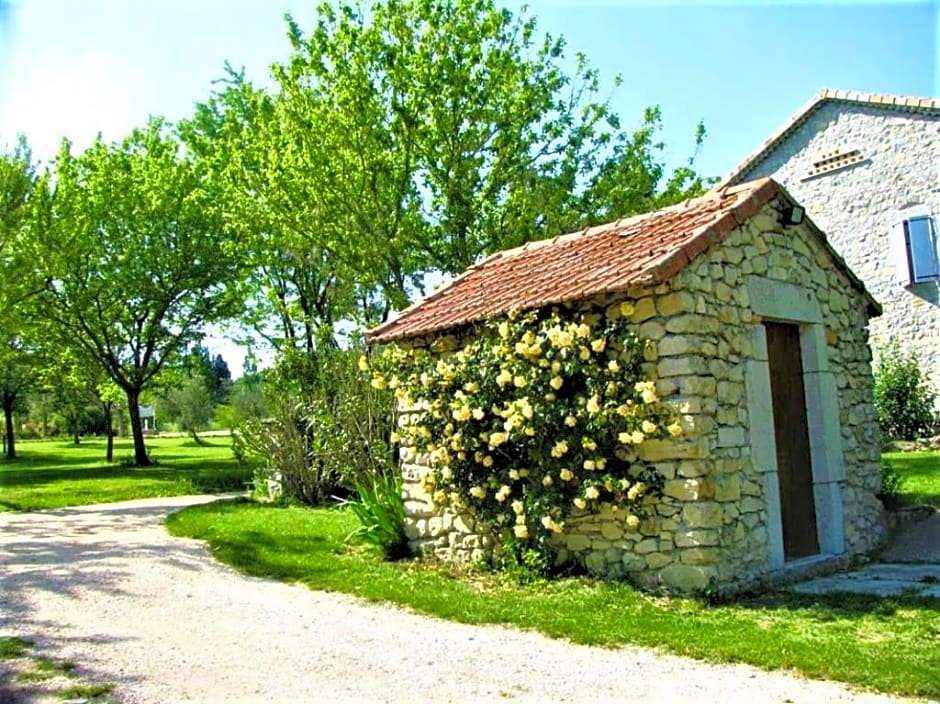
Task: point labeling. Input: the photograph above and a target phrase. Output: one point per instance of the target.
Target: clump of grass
(11, 648)
(87, 691)
(46, 669)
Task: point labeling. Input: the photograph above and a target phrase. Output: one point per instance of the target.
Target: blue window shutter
(921, 245)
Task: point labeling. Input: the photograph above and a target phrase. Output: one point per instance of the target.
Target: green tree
(17, 188)
(17, 375)
(138, 255)
(190, 405)
(410, 136)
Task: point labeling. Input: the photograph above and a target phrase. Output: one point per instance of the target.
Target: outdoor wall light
(792, 215)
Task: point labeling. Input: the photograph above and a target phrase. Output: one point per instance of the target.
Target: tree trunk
(76, 436)
(109, 431)
(8, 401)
(140, 450)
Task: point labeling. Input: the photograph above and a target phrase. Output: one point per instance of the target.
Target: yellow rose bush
(534, 417)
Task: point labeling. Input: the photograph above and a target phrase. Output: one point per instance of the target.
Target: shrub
(326, 428)
(892, 486)
(534, 418)
(903, 398)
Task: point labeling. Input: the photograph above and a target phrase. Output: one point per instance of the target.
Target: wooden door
(794, 467)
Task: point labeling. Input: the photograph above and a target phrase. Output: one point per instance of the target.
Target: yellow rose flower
(580, 503)
(648, 427)
(518, 507)
(503, 493)
(571, 421)
(566, 475)
(477, 413)
(478, 492)
(394, 437)
(647, 390)
(487, 461)
(556, 382)
(519, 381)
(613, 366)
(497, 439)
(556, 367)
(593, 405)
(599, 344)
(440, 496)
(624, 484)
(637, 437)
(547, 480)
(560, 448)
(600, 463)
(588, 444)
(589, 465)
(521, 531)
(633, 522)
(462, 414)
(378, 382)
(503, 329)
(591, 493)
(471, 387)
(583, 330)
(504, 377)
(363, 363)
(674, 429)
(584, 354)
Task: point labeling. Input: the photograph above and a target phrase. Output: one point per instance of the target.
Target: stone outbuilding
(867, 169)
(759, 338)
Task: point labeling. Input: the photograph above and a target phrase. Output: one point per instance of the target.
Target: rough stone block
(727, 487)
(700, 556)
(576, 542)
(646, 546)
(705, 514)
(731, 437)
(655, 560)
(684, 578)
(611, 530)
(675, 303)
(696, 537)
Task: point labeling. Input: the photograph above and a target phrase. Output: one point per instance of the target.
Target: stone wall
(856, 207)
(715, 522)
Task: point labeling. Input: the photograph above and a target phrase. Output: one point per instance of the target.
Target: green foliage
(903, 398)
(138, 256)
(11, 648)
(190, 405)
(892, 486)
(408, 136)
(872, 642)
(326, 425)
(534, 418)
(380, 508)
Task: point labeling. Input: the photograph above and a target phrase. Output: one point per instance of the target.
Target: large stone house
(758, 334)
(867, 168)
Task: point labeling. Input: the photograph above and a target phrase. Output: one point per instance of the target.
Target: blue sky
(75, 67)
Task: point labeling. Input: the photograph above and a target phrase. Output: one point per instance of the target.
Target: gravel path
(106, 586)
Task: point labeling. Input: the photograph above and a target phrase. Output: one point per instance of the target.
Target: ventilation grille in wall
(828, 162)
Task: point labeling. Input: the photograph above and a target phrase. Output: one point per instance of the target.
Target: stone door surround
(789, 303)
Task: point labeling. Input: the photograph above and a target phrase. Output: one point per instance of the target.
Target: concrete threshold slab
(879, 580)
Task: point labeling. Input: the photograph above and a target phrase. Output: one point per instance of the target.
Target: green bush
(327, 428)
(892, 486)
(903, 398)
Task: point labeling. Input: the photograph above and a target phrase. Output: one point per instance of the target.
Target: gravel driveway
(107, 587)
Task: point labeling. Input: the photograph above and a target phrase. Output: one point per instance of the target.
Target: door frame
(789, 303)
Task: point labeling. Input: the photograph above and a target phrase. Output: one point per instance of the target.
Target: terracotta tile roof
(642, 250)
(894, 103)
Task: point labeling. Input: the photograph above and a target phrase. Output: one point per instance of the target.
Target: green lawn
(56, 473)
(884, 644)
(921, 473)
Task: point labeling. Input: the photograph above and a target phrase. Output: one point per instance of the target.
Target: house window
(920, 244)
